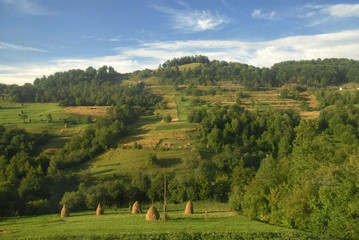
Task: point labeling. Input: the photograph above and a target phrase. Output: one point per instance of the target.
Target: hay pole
(164, 196)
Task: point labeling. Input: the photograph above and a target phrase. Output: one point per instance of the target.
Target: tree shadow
(168, 162)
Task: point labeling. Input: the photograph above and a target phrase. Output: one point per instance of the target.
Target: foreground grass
(120, 224)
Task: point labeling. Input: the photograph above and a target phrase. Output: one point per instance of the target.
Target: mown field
(221, 223)
(34, 117)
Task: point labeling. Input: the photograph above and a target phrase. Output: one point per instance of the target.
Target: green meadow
(220, 223)
(34, 118)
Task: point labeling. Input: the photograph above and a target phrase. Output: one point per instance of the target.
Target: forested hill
(73, 87)
(327, 72)
(100, 87)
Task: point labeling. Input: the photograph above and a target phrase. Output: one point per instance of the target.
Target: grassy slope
(117, 221)
(38, 113)
(172, 142)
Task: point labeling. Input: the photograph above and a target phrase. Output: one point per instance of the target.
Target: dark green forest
(269, 165)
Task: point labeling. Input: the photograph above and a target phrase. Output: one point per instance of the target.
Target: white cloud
(343, 10)
(148, 55)
(26, 6)
(190, 20)
(323, 13)
(258, 14)
(10, 46)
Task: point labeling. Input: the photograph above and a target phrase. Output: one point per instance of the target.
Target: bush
(152, 159)
(167, 118)
(38, 207)
(94, 195)
(74, 201)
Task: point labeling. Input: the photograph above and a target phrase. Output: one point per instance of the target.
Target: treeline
(186, 60)
(101, 87)
(320, 73)
(71, 88)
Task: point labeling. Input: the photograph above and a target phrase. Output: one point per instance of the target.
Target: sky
(41, 37)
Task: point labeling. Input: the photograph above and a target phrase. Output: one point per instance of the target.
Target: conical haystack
(136, 208)
(65, 212)
(99, 210)
(152, 214)
(189, 208)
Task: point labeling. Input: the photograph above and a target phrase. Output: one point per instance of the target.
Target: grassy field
(34, 117)
(116, 222)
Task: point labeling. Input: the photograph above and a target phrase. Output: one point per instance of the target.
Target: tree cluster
(185, 60)
(327, 72)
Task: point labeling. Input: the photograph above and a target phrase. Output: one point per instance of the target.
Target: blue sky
(41, 37)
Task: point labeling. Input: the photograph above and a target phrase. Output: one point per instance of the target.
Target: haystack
(136, 208)
(99, 210)
(189, 208)
(152, 214)
(65, 212)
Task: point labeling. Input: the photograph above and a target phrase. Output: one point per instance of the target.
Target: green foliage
(167, 118)
(151, 159)
(74, 201)
(49, 117)
(325, 72)
(185, 60)
(38, 207)
(155, 192)
(327, 97)
(197, 101)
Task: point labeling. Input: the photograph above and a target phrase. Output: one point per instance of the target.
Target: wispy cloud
(116, 39)
(258, 14)
(190, 20)
(26, 7)
(343, 44)
(13, 47)
(342, 10)
(319, 14)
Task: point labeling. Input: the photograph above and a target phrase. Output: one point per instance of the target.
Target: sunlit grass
(118, 221)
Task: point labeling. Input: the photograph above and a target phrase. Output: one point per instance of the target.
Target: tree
(49, 117)
(152, 159)
(167, 118)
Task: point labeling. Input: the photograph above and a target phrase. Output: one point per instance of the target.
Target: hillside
(271, 144)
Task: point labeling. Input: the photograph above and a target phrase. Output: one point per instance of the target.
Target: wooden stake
(164, 197)
(205, 215)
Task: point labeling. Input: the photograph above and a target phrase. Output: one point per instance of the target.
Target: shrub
(38, 207)
(167, 118)
(74, 201)
(152, 159)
